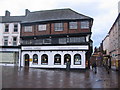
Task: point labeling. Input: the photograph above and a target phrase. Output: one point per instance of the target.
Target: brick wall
(45, 32)
(23, 33)
(50, 30)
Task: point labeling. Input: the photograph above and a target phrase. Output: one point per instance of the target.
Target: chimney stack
(7, 13)
(27, 12)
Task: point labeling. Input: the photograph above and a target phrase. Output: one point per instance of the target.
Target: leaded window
(72, 25)
(42, 27)
(28, 29)
(58, 27)
(84, 24)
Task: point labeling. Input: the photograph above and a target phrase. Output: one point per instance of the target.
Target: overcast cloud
(104, 12)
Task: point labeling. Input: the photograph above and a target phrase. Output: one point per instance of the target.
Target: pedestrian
(94, 67)
(107, 68)
(68, 65)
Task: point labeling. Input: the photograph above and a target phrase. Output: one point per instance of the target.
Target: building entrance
(26, 58)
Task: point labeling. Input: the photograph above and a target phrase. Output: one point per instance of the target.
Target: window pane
(77, 59)
(44, 59)
(7, 28)
(72, 25)
(14, 41)
(57, 59)
(77, 39)
(58, 27)
(42, 27)
(62, 41)
(35, 59)
(28, 29)
(5, 40)
(47, 41)
(15, 28)
(84, 24)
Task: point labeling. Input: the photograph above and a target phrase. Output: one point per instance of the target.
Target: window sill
(58, 30)
(15, 32)
(57, 64)
(6, 32)
(73, 29)
(41, 30)
(84, 28)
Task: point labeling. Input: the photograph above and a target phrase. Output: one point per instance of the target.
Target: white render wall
(1, 33)
(51, 58)
(10, 34)
(106, 44)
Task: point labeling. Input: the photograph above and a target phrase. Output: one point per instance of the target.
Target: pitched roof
(7, 19)
(0, 19)
(50, 15)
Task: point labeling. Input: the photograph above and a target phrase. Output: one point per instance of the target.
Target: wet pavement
(14, 77)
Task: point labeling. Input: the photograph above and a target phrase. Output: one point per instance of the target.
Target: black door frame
(26, 60)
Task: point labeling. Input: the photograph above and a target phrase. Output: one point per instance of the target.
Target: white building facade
(51, 52)
(10, 39)
(106, 45)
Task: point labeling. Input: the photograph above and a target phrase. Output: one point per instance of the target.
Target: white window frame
(42, 27)
(15, 28)
(15, 41)
(6, 25)
(28, 29)
(5, 40)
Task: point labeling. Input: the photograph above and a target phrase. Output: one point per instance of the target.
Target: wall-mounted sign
(82, 47)
(30, 60)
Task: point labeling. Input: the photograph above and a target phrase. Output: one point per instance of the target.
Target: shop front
(53, 56)
(9, 56)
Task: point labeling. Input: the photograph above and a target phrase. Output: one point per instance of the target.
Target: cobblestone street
(13, 77)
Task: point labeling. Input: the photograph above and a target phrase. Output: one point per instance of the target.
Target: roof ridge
(61, 9)
(51, 10)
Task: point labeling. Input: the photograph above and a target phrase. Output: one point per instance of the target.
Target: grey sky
(104, 12)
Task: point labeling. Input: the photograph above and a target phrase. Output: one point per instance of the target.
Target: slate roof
(8, 19)
(0, 19)
(50, 15)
